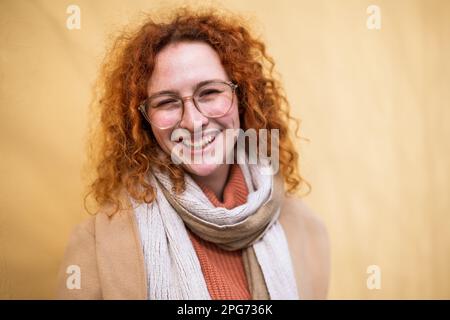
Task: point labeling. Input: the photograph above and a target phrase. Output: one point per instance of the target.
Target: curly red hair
(122, 146)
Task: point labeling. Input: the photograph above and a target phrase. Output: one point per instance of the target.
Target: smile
(198, 145)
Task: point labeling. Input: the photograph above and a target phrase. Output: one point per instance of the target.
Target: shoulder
(79, 262)
(98, 236)
(86, 228)
(90, 227)
(309, 243)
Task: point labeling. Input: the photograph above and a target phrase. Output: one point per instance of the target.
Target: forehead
(181, 65)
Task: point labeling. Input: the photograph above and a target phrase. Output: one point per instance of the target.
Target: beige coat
(108, 252)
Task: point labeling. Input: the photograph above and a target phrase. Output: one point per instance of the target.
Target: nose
(192, 118)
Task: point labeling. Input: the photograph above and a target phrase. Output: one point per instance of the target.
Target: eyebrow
(199, 84)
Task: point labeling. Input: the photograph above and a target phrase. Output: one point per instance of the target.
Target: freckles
(231, 120)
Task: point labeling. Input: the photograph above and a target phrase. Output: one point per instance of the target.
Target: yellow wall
(374, 104)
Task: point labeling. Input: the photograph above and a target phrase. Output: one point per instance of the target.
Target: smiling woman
(207, 230)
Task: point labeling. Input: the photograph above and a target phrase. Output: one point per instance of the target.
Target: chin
(201, 169)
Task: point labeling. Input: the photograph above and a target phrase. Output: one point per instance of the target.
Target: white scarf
(173, 268)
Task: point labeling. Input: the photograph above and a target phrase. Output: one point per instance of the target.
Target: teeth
(199, 144)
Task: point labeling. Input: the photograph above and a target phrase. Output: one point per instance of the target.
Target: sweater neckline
(235, 191)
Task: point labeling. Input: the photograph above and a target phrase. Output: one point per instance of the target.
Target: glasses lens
(214, 99)
(164, 111)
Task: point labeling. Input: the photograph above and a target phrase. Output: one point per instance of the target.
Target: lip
(205, 133)
(207, 147)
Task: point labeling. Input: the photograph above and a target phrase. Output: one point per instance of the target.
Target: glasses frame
(143, 104)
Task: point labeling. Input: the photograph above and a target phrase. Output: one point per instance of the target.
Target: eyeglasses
(212, 99)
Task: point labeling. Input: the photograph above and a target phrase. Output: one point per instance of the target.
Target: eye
(164, 103)
(207, 92)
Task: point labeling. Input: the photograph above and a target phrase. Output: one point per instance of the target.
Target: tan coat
(108, 251)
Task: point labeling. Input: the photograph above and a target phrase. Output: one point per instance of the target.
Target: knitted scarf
(173, 268)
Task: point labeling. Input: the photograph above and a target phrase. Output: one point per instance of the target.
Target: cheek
(231, 120)
(163, 138)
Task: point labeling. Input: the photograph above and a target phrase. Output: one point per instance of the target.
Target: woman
(169, 227)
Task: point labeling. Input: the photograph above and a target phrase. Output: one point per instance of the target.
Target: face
(179, 67)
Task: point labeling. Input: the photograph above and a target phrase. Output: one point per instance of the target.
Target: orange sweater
(224, 270)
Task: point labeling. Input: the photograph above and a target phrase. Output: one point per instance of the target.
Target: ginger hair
(121, 145)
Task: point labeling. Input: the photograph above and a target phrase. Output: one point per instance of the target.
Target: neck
(216, 181)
